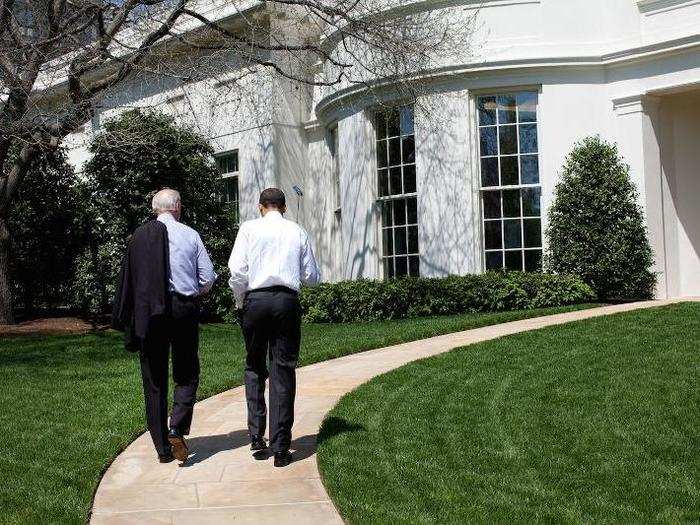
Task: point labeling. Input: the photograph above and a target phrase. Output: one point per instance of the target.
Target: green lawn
(71, 403)
(594, 421)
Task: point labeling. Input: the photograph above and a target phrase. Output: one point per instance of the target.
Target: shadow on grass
(334, 426)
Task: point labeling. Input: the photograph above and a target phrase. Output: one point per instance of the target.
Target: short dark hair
(273, 197)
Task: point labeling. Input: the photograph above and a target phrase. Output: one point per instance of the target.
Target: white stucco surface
(628, 70)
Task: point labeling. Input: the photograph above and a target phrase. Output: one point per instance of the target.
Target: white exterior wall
(623, 69)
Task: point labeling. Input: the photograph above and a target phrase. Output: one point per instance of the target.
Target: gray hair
(165, 200)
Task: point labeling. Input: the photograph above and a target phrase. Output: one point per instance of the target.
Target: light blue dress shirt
(191, 270)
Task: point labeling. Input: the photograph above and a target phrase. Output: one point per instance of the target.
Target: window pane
(509, 171)
(413, 239)
(394, 128)
(412, 210)
(394, 151)
(408, 150)
(382, 161)
(487, 111)
(395, 181)
(383, 183)
(506, 109)
(514, 260)
(529, 169)
(388, 239)
(389, 268)
(401, 266)
(492, 235)
(527, 107)
(494, 260)
(492, 204)
(489, 172)
(531, 202)
(409, 179)
(414, 266)
(511, 203)
(387, 208)
(508, 139)
(399, 211)
(532, 230)
(489, 146)
(533, 260)
(512, 234)
(528, 138)
(406, 120)
(400, 241)
(380, 125)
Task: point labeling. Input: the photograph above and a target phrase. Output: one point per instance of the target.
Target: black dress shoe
(179, 445)
(166, 458)
(282, 459)
(257, 443)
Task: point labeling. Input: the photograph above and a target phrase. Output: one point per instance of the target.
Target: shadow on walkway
(204, 447)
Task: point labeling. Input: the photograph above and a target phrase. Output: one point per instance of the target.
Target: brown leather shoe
(179, 445)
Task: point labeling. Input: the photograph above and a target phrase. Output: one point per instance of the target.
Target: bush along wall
(365, 300)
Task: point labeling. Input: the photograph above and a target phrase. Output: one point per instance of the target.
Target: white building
(462, 181)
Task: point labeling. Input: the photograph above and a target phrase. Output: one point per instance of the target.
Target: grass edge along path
(72, 403)
(590, 421)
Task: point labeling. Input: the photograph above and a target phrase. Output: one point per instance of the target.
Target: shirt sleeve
(310, 274)
(206, 276)
(238, 265)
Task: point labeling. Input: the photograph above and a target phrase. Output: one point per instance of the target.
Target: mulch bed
(48, 326)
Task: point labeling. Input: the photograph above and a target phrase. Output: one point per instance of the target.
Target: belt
(186, 298)
(283, 289)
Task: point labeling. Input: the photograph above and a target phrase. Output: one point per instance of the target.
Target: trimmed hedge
(365, 300)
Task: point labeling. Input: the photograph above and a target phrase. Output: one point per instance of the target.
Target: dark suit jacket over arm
(142, 290)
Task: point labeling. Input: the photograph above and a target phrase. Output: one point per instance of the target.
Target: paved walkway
(222, 483)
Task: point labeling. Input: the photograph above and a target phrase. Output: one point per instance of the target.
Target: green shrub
(365, 300)
(596, 228)
(47, 234)
(136, 155)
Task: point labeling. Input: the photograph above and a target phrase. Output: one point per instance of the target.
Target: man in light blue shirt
(191, 276)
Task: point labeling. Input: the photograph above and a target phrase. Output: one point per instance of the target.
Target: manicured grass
(595, 421)
(70, 404)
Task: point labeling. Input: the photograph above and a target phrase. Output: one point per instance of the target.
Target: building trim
(652, 7)
(349, 96)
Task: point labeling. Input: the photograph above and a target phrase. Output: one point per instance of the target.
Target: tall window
(396, 171)
(228, 167)
(510, 181)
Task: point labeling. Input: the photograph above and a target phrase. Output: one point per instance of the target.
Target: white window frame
(233, 175)
(383, 201)
(513, 91)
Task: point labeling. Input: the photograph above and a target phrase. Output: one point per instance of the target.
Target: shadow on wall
(680, 160)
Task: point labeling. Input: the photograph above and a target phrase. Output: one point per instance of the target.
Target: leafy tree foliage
(46, 221)
(136, 155)
(596, 227)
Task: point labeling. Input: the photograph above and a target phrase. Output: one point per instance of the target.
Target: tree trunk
(6, 313)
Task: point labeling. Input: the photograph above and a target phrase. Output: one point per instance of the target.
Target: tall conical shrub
(596, 227)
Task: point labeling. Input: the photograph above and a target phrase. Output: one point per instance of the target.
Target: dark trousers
(178, 331)
(271, 323)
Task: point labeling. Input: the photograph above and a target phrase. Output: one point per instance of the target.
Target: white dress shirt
(191, 270)
(271, 251)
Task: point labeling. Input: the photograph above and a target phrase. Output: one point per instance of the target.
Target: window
(396, 172)
(228, 167)
(510, 181)
(335, 167)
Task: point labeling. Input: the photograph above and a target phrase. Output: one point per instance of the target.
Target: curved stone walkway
(222, 483)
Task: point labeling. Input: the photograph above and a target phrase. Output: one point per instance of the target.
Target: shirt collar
(166, 217)
(272, 214)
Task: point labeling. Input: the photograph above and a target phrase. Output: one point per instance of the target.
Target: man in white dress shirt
(271, 259)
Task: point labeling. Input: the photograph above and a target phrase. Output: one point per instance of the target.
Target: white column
(639, 139)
